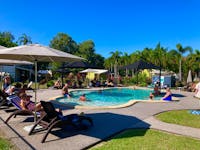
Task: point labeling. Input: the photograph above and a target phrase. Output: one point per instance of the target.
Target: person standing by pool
(168, 95)
(65, 91)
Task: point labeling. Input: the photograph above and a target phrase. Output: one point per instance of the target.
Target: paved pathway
(106, 123)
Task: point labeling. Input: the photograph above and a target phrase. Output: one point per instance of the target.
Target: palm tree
(181, 51)
(125, 61)
(24, 39)
(116, 58)
(173, 61)
(193, 61)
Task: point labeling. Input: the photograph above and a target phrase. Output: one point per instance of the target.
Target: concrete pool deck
(107, 122)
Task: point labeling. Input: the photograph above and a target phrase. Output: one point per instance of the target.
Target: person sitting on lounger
(57, 84)
(10, 90)
(168, 95)
(7, 83)
(26, 103)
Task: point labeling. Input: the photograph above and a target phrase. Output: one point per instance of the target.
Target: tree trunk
(126, 72)
(115, 70)
(180, 75)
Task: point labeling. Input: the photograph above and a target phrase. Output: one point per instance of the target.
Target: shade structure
(189, 77)
(78, 64)
(12, 62)
(35, 53)
(141, 65)
(62, 71)
(96, 71)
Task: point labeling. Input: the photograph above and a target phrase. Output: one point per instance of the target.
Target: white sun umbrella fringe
(35, 53)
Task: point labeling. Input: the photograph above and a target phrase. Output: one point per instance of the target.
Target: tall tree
(173, 61)
(24, 39)
(160, 56)
(116, 59)
(193, 62)
(86, 50)
(181, 51)
(125, 60)
(64, 43)
(7, 39)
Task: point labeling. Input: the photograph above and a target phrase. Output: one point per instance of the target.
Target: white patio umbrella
(8, 62)
(12, 62)
(37, 53)
(189, 78)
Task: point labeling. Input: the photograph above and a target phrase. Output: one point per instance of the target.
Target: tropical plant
(24, 39)
(181, 51)
(115, 57)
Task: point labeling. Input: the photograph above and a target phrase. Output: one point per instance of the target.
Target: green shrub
(50, 83)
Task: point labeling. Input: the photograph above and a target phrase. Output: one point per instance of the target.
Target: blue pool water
(106, 97)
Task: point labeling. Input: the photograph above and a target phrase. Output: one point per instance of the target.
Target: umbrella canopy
(96, 71)
(62, 71)
(189, 77)
(35, 53)
(78, 64)
(12, 62)
(140, 65)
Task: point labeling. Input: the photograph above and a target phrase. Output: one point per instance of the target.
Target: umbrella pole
(35, 89)
(1, 77)
(62, 79)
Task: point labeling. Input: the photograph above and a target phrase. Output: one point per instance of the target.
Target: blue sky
(124, 25)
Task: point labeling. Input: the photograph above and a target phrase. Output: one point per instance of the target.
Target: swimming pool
(106, 97)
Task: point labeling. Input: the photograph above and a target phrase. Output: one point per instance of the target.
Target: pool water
(106, 97)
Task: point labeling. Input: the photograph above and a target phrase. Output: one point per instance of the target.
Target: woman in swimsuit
(168, 95)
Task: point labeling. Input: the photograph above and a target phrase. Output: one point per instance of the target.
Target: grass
(149, 140)
(180, 117)
(6, 145)
(154, 139)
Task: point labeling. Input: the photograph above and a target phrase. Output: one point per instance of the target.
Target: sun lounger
(15, 100)
(53, 119)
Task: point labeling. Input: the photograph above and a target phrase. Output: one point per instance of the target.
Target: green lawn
(6, 145)
(181, 117)
(154, 139)
(137, 139)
